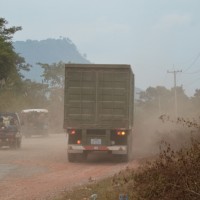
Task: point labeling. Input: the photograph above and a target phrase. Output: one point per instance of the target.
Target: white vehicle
(35, 122)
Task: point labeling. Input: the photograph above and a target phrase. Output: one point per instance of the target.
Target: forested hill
(47, 51)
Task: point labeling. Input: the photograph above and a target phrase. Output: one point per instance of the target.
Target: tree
(36, 94)
(155, 100)
(160, 100)
(196, 102)
(54, 76)
(182, 101)
(10, 62)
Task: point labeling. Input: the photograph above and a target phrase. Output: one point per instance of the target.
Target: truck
(99, 110)
(35, 122)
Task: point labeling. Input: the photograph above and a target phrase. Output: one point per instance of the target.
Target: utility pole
(175, 94)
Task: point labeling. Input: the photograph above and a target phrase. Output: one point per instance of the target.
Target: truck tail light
(72, 131)
(121, 133)
(78, 142)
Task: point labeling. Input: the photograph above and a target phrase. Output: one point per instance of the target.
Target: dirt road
(40, 169)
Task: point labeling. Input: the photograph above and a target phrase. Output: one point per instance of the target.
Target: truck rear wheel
(84, 156)
(19, 143)
(127, 157)
(13, 145)
(71, 157)
(77, 157)
(121, 158)
(16, 144)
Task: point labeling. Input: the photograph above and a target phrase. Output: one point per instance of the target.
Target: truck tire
(128, 157)
(130, 146)
(121, 158)
(71, 157)
(14, 144)
(83, 156)
(19, 143)
(125, 158)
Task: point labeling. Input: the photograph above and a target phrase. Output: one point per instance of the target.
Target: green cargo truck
(98, 109)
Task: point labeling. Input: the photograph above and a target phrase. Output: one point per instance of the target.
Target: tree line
(156, 101)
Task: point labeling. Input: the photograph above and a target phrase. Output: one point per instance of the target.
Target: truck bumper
(120, 149)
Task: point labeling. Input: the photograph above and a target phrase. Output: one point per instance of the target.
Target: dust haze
(151, 128)
(40, 169)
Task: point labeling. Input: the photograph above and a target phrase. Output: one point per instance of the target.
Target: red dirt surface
(40, 169)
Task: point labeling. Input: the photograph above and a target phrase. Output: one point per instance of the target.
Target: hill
(50, 51)
(47, 51)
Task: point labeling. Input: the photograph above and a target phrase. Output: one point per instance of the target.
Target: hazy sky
(153, 36)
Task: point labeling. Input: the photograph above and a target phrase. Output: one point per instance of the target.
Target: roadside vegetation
(17, 92)
(171, 175)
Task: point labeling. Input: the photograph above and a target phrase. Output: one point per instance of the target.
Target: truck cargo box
(98, 96)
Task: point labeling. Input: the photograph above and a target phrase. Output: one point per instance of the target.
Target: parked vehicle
(98, 109)
(10, 130)
(35, 122)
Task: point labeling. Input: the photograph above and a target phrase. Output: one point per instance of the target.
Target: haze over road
(40, 169)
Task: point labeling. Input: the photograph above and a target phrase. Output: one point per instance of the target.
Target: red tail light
(72, 131)
(78, 142)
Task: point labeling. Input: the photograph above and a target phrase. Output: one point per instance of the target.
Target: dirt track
(40, 170)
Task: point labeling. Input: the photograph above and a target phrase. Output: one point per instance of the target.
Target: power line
(195, 60)
(194, 72)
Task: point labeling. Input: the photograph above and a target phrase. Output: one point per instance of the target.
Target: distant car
(10, 130)
(35, 122)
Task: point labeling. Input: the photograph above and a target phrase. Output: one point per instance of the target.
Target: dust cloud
(151, 129)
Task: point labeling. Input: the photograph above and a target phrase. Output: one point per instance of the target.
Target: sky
(154, 36)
